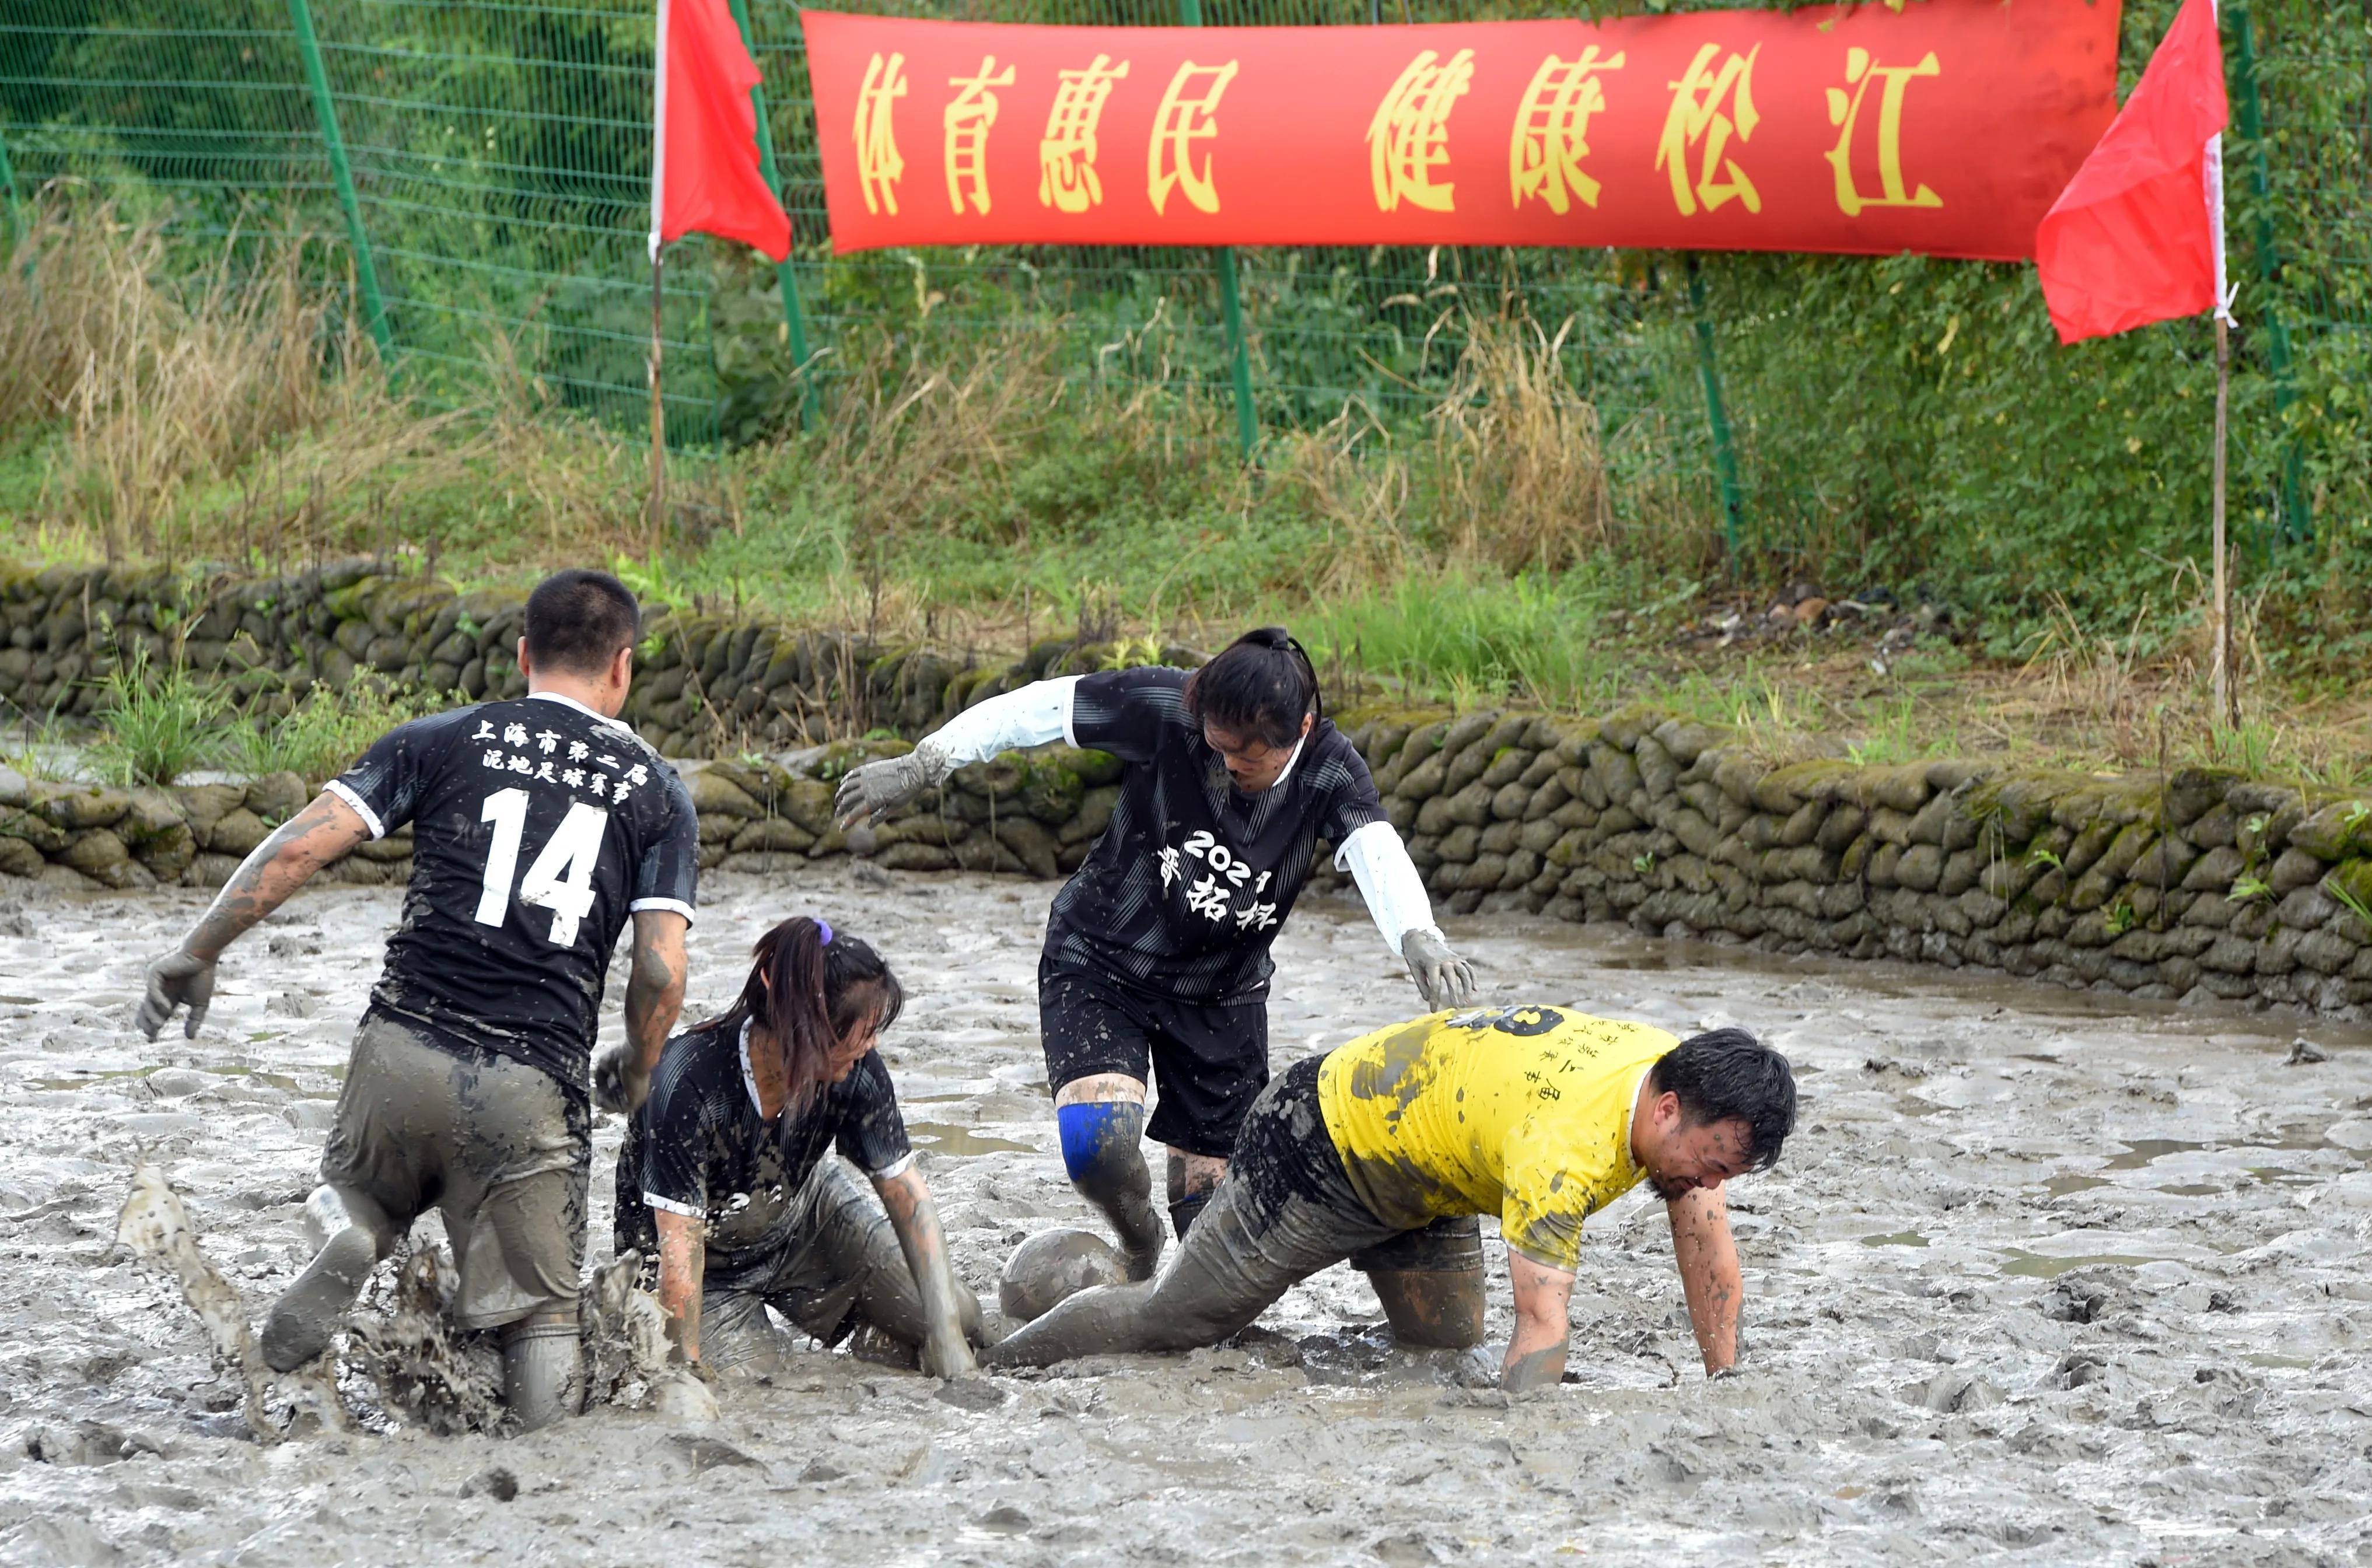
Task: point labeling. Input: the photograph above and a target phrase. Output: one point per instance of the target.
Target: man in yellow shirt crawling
(1383, 1151)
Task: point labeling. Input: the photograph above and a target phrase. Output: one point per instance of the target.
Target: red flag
(705, 176)
(2138, 235)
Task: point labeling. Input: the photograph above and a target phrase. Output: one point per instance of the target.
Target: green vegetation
(1482, 474)
(156, 724)
(325, 732)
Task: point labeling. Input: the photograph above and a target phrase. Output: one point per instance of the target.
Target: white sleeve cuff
(672, 906)
(370, 818)
(671, 1206)
(896, 1168)
(1388, 879)
(1037, 714)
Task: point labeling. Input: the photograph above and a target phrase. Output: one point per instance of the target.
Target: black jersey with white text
(537, 827)
(1187, 887)
(700, 1147)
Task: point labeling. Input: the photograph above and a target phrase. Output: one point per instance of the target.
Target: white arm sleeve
(1388, 879)
(1039, 713)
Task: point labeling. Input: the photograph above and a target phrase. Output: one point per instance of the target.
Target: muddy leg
(1430, 1281)
(1101, 1122)
(543, 1371)
(1433, 1308)
(1191, 1179)
(352, 1233)
(1236, 1263)
(853, 1239)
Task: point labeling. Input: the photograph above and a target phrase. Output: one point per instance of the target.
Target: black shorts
(1209, 1060)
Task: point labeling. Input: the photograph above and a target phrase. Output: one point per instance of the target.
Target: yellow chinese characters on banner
(1066, 154)
(1552, 131)
(1945, 128)
(1697, 119)
(1409, 137)
(1861, 69)
(879, 166)
(1189, 113)
(969, 116)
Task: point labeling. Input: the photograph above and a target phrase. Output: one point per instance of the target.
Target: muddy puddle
(2045, 1277)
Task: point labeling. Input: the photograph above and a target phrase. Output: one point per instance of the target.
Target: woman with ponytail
(1158, 948)
(723, 1180)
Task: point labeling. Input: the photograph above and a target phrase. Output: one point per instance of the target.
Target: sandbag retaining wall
(704, 684)
(2196, 884)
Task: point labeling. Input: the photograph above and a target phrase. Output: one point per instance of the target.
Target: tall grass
(1471, 639)
(158, 725)
(327, 731)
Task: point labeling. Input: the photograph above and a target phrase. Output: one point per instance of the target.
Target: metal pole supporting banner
(366, 274)
(2298, 517)
(2228, 697)
(794, 317)
(1231, 301)
(658, 419)
(1725, 454)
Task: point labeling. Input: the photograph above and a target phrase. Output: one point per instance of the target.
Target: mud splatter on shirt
(537, 828)
(1522, 1112)
(1192, 880)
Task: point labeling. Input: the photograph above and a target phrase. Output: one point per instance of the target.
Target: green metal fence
(494, 191)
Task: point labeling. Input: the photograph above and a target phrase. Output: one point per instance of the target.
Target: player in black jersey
(539, 826)
(725, 1179)
(1158, 948)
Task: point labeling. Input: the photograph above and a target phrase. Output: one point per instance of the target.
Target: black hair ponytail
(808, 988)
(1262, 685)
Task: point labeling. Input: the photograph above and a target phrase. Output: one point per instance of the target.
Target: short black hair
(1262, 684)
(1728, 1073)
(578, 620)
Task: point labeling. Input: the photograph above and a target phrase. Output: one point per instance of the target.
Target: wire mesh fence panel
(501, 150)
(502, 154)
(195, 106)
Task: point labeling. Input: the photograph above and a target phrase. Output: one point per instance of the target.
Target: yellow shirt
(1524, 1113)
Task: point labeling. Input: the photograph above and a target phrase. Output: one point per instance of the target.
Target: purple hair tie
(825, 926)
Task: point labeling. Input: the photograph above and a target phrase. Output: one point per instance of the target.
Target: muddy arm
(297, 848)
(916, 1220)
(654, 999)
(267, 878)
(682, 1257)
(1709, 1277)
(1536, 1356)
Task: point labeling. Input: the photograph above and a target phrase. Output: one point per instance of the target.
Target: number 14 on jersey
(560, 879)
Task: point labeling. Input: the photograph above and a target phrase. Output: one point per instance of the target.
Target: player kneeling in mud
(725, 1177)
(538, 825)
(1539, 1115)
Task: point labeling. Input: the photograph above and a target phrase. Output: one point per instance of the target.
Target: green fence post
(794, 317)
(1231, 301)
(366, 274)
(1725, 454)
(9, 190)
(2297, 524)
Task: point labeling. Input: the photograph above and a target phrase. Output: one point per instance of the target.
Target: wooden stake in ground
(2227, 696)
(659, 432)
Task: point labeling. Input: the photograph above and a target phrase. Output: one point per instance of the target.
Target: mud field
(2050, 1278)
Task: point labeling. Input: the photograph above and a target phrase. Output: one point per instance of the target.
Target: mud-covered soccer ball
(1054, 1264)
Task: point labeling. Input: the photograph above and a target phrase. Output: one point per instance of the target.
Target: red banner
(1948, 127)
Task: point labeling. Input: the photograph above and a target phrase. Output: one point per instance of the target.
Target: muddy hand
(619, 1083)
(1442, 977)
(878, 787)
(946, 1356)
(174, 982)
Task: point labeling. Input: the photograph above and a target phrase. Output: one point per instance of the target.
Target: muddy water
(2064, 1279)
